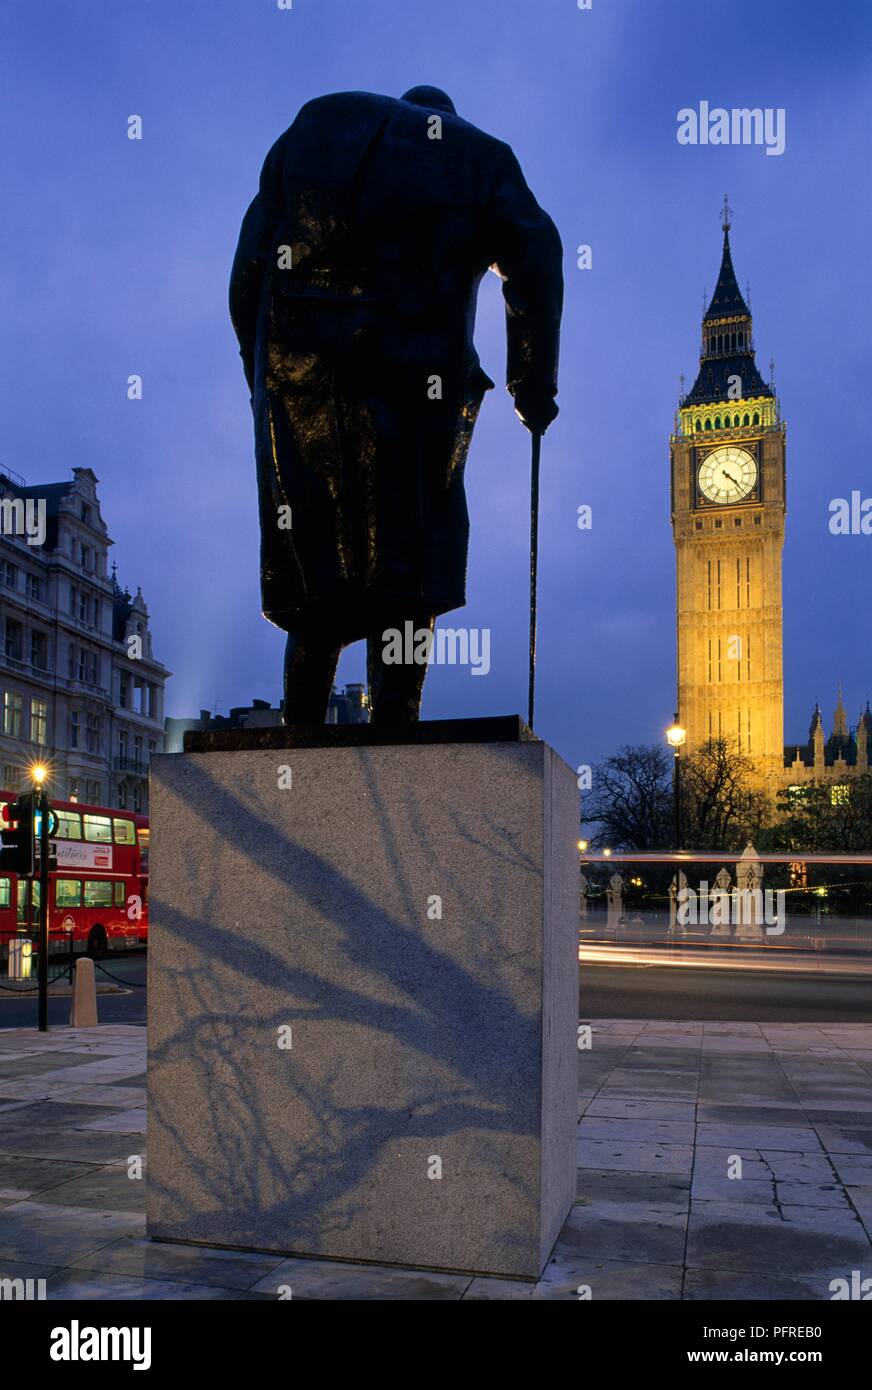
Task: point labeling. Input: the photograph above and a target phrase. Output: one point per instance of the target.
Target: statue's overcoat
(353, 296)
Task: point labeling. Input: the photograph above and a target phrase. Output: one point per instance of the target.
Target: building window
(756, 521)
(12, 712)
(122, 690)
(122, 743)
(11, 777)
(86, 513)
(34, 587)
(8, 574)
(92, 733)
(85, 557)
(699, 526)
(137, 749)
(83, 606)
(38, 721)
(39, 650)
(74, 728)
(14, 639)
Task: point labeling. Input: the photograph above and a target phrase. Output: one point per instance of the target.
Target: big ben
(728, 507)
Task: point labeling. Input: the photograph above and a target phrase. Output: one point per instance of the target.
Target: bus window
(68, 892)
(69, 825)
(143, 850)
(120, 894)
(22, 902)
(98, 892)
(98, 829)
(5, 892)
(124, 832)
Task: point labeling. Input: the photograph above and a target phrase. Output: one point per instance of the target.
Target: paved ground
(665, 1109)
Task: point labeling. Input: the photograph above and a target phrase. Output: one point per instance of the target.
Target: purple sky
(117, 254)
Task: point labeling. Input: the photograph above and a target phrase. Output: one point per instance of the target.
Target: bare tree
(630, 799)
(722, 803)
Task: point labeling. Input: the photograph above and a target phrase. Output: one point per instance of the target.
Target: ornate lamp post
(676, 736)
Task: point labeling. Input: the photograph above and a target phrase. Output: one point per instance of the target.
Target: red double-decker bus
(98, 894)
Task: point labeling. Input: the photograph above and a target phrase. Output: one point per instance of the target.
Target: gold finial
(726, 215)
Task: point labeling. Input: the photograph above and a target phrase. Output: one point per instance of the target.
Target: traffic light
(16, 853)
(52, 843)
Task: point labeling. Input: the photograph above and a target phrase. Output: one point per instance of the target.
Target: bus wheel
(97, 943)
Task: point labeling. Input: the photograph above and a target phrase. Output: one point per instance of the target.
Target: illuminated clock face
(727, 474)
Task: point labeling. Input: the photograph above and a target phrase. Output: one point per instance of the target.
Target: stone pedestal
(363, 991)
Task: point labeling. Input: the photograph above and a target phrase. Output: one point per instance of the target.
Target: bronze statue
(353, 296)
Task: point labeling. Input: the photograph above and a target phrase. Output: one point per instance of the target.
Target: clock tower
(728, 505)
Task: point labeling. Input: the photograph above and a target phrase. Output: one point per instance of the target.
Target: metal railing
(816, 904)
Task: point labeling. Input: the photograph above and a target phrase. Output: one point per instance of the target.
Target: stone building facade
(80, 686)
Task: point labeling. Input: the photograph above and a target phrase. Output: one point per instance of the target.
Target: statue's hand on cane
(536, 408)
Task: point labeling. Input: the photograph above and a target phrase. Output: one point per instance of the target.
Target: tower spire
(726, 216)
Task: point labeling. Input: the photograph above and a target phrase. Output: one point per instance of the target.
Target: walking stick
(534, 559)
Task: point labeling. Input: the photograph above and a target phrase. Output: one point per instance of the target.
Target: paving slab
(656, 1216)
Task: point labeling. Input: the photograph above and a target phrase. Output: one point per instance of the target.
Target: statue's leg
(310, 667)
(395, 689)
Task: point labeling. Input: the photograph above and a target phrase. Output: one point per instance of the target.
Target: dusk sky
(116, 261)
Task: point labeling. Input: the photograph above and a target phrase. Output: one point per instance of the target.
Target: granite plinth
(363, 999)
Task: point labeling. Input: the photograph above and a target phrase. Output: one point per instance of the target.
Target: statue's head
(431, 97)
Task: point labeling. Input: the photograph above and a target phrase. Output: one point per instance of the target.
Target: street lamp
(676, 736)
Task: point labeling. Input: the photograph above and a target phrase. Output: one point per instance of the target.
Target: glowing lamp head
(675, 734)
(39, 772)
(582, 845)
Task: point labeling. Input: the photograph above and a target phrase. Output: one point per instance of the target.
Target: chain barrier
(128, 984)
(32, 989)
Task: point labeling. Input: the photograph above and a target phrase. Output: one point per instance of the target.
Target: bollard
(84, 1011)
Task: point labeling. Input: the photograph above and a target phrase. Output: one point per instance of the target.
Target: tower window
(708, 424)
(717, 422)
(699, 526)
(747, 419)
(756, 521)
(741, 340)
(699, 424)
(718, 524)
(737, 521)
(756, 417)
